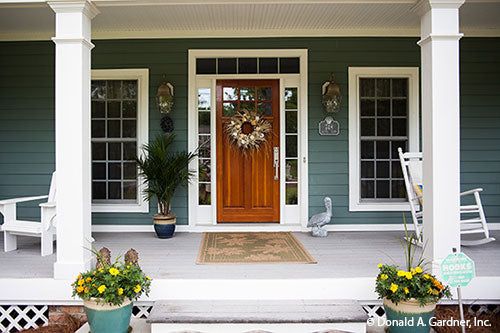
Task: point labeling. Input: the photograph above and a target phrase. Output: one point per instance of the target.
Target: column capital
(423, 6)
(76, 6)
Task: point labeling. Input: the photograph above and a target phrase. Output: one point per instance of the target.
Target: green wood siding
(27, 112)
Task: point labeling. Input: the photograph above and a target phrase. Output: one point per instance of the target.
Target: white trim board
(48, 290)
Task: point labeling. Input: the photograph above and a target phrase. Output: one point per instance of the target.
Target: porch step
(238, 316)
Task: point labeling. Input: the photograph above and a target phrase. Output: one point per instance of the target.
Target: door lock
(276, 162)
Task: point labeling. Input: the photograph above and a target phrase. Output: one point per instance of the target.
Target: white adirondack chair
(472, 218)
(12, 227)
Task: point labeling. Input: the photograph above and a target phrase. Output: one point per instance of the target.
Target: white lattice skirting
(14, 318)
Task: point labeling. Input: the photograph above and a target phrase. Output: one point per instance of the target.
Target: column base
(69, 270)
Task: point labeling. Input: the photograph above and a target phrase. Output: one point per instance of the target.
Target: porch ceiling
(34, 20)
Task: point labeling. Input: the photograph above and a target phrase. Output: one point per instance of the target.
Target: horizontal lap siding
(480, 120)
(27, 102)
(26, 122)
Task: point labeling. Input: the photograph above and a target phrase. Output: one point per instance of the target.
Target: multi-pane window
(384, 127)
(262, 65)
(291, 147)
(204, 140)
(114, 112)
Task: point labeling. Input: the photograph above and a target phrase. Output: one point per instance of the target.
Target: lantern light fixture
(165, 96)
(331, 97)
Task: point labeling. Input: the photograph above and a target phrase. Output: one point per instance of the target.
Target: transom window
(262, 65)
(383, 116)
(116, 135)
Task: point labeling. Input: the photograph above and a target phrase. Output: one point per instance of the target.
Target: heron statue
(319, 220)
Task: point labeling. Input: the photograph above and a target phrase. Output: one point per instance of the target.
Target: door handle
(276, 163)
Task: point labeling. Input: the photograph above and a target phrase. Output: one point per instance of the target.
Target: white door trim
(207, 215)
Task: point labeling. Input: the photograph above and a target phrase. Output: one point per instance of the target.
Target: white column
(440, 127)
(73, 196)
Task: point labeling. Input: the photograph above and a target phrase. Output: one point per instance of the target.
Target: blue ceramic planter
(408, 316)
(164, 225)
(165, 230)
(107, 318)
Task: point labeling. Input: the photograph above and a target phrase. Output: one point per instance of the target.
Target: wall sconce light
(331, 97)
(165, 96)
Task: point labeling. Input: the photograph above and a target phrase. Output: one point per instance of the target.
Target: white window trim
(355, 73)
(289, 214)
(142, 76)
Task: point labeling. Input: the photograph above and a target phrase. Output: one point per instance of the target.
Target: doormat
(252, 248)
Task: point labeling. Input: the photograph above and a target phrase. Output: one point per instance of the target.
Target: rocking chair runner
(12, 227)
(411, 164)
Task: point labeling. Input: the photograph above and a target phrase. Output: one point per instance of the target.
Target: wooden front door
(248, 186)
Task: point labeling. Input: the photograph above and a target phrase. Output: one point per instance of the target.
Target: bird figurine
(319, 220)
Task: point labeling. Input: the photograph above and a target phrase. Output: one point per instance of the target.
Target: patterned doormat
(252, 248)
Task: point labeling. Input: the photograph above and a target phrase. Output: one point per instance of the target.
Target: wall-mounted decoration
(331, 96)
(165, 96)
(167, 124)
(328, 126)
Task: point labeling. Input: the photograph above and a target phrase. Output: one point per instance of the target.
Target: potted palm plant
(164, 171)
(409, 295)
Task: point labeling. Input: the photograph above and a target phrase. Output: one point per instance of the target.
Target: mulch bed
(446, 312)
(68, 324)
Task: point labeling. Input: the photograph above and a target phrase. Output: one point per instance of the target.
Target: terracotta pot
(409, 316)
(164, 225)
(105, 318)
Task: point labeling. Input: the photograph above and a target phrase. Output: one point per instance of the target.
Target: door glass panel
(204, 170)
(291, 98)
(230, 94)
(265, 109)
(204, 138)
(291, 194)
(247, 94)
(229, 109)
(291, 170)
(204, 197)
(291, 146)
(291, 121)
(264, 93)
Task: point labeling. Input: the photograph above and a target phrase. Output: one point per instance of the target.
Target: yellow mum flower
(100, 270)
(137, 289)
(101, 289)
(88, 279)
(426, 276)
(413, 271)
(120, 291)
(79, 276)
(394, 287)
(379, 265)
(128, 266)
(406, 290)
(401, 273)
(79, 289)
(86, 290)
(113, 271)
(384, 276)
(418, 269)
(81, 282)
(429, 291)
(93, 284)
(147, 277)
(409, 275)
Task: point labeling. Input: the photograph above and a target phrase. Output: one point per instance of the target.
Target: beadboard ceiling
(232, 18)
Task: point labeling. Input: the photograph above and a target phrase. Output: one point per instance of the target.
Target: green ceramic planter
(105, 318)
(408, 316)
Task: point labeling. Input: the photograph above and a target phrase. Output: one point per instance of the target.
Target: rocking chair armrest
(48, 204)
(16, 200)
(471, 191)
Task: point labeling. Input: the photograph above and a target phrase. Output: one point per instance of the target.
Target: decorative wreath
(247, 130)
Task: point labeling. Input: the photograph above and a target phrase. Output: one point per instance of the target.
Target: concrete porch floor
(340, 255)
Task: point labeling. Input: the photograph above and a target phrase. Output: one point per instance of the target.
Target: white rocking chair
(12, 227)
(411, 164)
